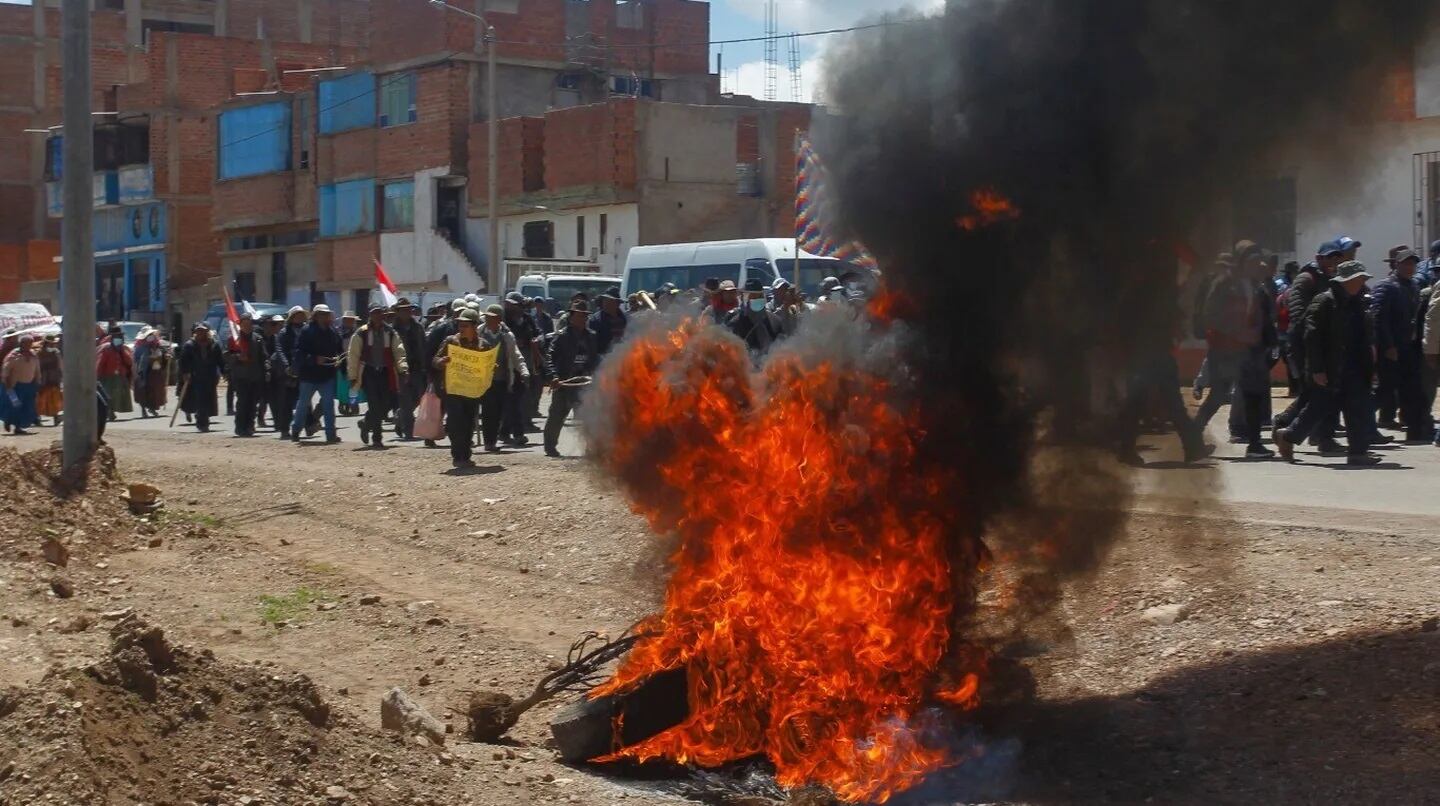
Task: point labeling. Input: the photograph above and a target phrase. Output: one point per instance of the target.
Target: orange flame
(990, 208)
(812, 591)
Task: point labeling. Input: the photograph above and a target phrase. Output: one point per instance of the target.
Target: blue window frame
(255, 140)
(347, 103)
(347, 208)
(397, 99)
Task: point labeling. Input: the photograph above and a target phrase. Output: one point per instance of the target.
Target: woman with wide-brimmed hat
(115, 369)
(152, 371)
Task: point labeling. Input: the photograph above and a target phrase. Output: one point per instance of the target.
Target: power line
(801, 34)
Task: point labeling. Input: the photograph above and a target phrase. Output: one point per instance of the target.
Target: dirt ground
(1303, 665)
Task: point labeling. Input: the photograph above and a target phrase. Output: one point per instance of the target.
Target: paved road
(1406, 484)
(222, 433)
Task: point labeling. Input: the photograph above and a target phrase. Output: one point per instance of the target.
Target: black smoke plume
(1114, 127)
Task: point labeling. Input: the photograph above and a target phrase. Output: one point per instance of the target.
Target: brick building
(613, 133)
(159, 68)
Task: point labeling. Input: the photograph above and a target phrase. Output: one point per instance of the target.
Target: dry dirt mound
(38, 500)
(161, 724)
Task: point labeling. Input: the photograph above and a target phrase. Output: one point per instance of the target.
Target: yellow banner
(470, 371)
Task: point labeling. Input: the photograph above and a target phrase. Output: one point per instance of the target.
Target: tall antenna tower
(772, 52)
(795, 69)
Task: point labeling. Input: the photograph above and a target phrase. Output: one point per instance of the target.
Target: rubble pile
(154, 722)
(47, 514)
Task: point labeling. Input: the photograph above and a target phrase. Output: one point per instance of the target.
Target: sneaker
(1258, 451)
(517, 442)
(20, 432)
(1284, 445)
(333, 439)
(551, 452)
(462, 463)
(492, 448)
(430, 443)
(1362, 460)
(1381, 439)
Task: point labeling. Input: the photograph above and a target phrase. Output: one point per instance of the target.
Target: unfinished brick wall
(194, 247)
(788, 120)
(520, 160)
(591, 145)
(437, 137)
(404, 29)
(347, 155)
(341, 259)
(254, 201)
(674, 33)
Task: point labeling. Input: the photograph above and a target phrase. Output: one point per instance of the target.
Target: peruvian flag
(232, 318)
(388, 292)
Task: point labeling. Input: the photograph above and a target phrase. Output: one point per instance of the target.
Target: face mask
(117, 341)
(757, 305)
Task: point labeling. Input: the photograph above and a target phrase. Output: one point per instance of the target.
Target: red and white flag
(232, 319)
(388, 292)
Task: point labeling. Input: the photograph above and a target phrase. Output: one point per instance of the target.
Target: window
(174, 27)
(360, 298)
(568, 81)
(604, 231)
(347, 208)
(244, 286)
(1265, 212)
(242, 243)
(397, 99)
(298, 237)
(682, 276)
(279, 278)
(307, 129)
(632, 85)
(539, 239)
(347, 103)
(580, 236)
(254, 140)
(397, 210)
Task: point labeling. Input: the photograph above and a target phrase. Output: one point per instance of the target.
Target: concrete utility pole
(495, 271)
(77, 268)
(496, 279)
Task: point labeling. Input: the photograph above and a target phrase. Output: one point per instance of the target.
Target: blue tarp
(347, 103)
(255, 140)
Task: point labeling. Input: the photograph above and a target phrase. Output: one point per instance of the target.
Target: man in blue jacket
(1393, 307)
(317, 358)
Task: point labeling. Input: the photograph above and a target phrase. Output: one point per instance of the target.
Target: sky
(744, 64)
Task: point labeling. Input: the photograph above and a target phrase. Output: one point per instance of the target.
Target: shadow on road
(1352, 720)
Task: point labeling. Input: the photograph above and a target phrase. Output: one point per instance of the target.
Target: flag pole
(795, 210)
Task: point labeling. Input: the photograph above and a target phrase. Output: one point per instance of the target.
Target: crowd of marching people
(302, 370)
(1358, 349)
